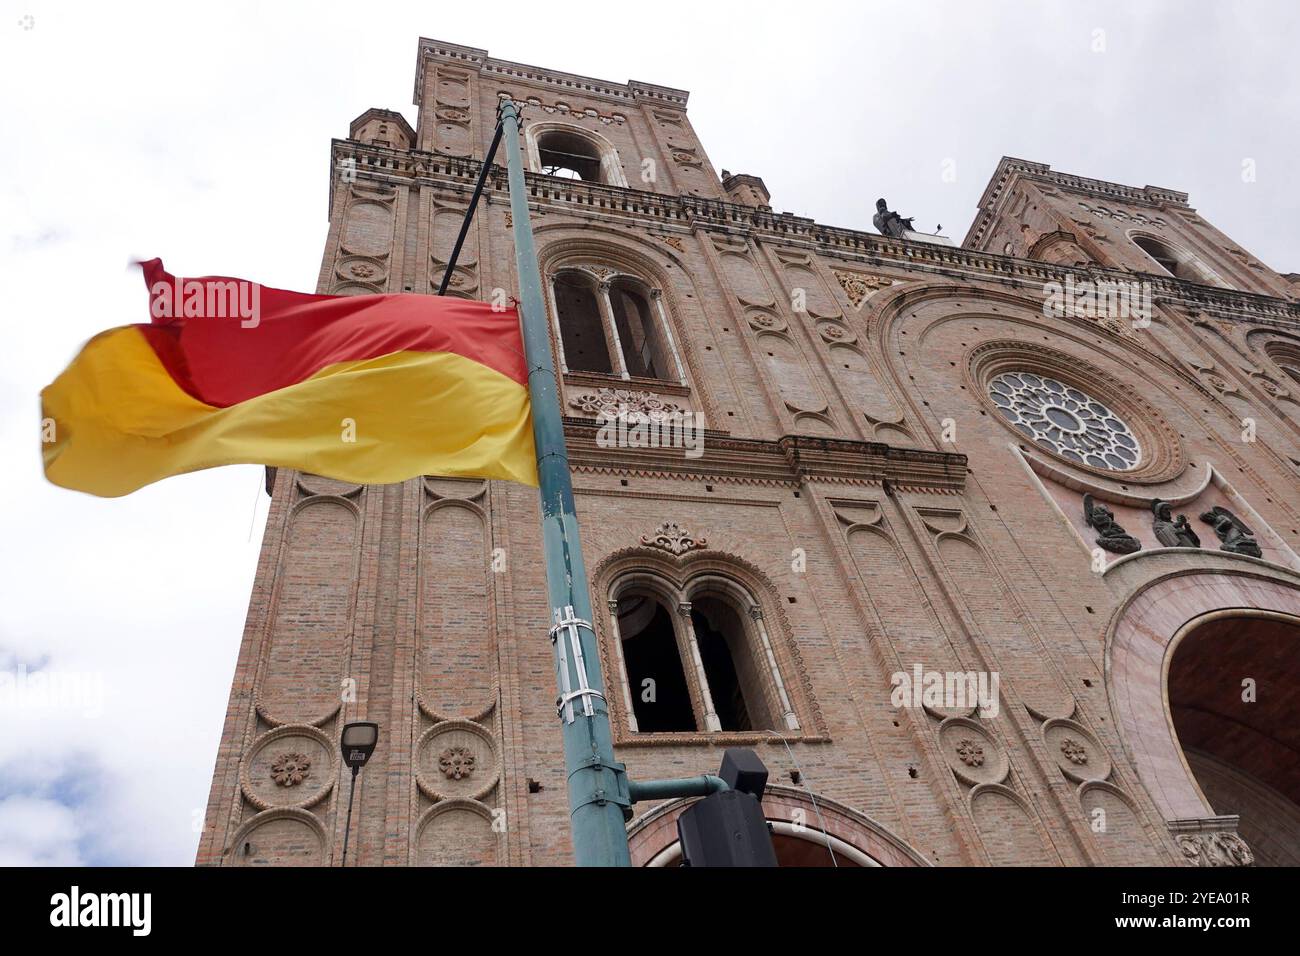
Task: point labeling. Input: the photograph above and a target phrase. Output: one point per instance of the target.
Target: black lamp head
(358, 742)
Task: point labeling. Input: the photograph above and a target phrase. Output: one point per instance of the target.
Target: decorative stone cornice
(859, 249)
(788, 461)
(479, 61)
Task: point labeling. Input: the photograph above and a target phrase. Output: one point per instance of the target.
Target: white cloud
(38, 832)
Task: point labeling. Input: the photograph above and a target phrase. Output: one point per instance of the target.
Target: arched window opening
(732, 667)
(1178, 264)
(696, 659)
(582, 330)
(619, 327)
(1158, 251)
(639, 333)
(661, 699)
(569, 156)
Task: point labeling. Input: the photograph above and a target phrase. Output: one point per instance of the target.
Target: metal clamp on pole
(568, 622)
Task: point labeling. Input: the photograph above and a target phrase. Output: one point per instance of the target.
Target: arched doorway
(808, 831)
(1201, 670)
(1233, 687)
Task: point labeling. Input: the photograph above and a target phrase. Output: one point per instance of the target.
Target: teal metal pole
(598, 787)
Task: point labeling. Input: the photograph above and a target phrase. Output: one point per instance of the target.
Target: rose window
(1065, 421)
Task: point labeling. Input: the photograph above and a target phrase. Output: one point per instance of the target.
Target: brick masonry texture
(858, 487)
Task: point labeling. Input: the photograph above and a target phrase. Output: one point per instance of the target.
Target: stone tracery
(1065, 420)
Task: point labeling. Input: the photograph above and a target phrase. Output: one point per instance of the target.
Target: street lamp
(357, 743)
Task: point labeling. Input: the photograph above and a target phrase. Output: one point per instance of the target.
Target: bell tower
(1030, 211)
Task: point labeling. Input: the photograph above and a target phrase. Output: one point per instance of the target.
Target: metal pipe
(469, 213)
(598, 786)
(700, 786)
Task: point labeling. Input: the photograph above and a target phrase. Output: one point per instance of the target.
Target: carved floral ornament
(1215, 849)
(456, 763)
(624, 403)
(971, 753)
(673, 538)
(290, 769)
(1124, 329)
(1074, 751)
(859, 285)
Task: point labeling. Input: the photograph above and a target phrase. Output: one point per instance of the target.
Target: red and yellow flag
(366, 389)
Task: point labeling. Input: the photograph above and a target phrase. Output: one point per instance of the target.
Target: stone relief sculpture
(1236, 537)
(1110, 534)
(1215, 849)
(1170, 531)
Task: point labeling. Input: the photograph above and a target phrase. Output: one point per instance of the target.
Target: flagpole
(598, 785)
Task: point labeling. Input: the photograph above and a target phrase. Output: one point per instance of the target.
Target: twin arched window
(697, 660)
(614, 325)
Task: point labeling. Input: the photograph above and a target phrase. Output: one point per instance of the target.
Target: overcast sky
(134, 130)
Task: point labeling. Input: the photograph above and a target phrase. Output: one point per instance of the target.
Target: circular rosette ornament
(290, 769)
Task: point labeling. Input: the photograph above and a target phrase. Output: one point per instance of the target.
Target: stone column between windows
(658, 296)
(555, 324)
(622, 665)
(711, 722)
(611, 169)
(606, 308)
(787, 711)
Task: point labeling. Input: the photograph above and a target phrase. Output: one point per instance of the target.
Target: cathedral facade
(989, 551)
